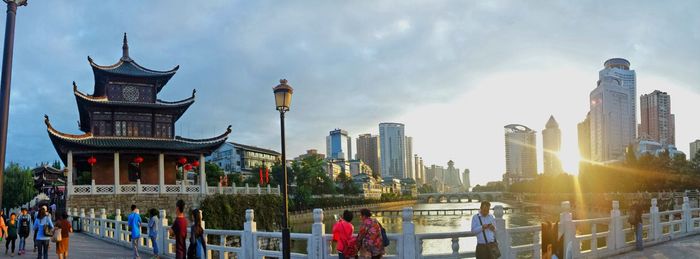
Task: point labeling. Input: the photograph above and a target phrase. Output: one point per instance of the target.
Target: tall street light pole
(283, 99)
(5, 82)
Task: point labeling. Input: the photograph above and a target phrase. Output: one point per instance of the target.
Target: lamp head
(283, 95)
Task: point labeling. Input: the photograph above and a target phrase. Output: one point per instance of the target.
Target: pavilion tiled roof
(86, 142)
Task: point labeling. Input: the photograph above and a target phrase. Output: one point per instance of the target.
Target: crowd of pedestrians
(40, 222)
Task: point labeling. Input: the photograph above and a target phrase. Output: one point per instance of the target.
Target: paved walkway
(81, 247)
(688, 247)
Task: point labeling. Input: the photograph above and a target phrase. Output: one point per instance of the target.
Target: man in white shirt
(485, 229)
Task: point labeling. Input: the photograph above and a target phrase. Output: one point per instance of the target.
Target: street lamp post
(283, 99)
(5, 81)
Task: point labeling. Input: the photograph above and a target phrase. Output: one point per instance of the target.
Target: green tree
(18, 187)
(310, 173)
(345, 185)
(213, 172)
(57, 164)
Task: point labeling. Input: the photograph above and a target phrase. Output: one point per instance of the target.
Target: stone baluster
(502, 236)
(247, 242)
(92, 187)
(409, 234)
(567, 228)
(315, 246)
(455, 246)
(163, 233)
(259, 190)
(594, 237)
(536, 251)
(118, 225)
(138, 186)
(617, 226)
(222, 242)
(233, 186)
(269, 189)
(221, 189)
(103, 222)
(687, 225)
(655, 219)
(83, 220)
(91, 229)
(246, 189)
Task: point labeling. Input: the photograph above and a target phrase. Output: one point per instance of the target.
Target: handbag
(48, 229)
(56, 235)
(493, 246)
(385, 239)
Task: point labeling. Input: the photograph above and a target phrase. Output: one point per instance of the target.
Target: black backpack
(23, 225)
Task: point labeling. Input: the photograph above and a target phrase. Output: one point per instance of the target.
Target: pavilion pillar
(69, 177)
(202, 174)
(161, 173)
(117, 188)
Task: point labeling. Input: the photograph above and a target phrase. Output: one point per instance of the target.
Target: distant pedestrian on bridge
(153, 231)
(343, 235)
(179, 230)
(25, 223)
(483, 226)
(635, 219)
(134, 222)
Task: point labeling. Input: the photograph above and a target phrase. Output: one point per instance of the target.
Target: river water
(434, 224)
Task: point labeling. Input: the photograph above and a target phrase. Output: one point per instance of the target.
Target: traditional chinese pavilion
(129, 142)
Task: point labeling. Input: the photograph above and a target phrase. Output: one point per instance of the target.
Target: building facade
(657, 122)
(551, 143)
(392, 142)
(452, 179)
(310, 153)
(339, 145)
(418, 169)
(521, 153)
(466, 181)
(694, 148)
(410, 172)
(584, 138)
(369, 151)
(613, 111)
(243, 159)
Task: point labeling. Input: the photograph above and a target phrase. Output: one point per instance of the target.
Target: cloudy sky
(455, 72)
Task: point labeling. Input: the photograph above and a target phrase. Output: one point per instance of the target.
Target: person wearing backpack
(25, 223)
(198, 245)
(343, 236)
(11, 233)
(369, 238)
(43, 227)
(635, 219)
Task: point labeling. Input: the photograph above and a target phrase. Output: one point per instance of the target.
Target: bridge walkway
(687, 247)
(81, 246)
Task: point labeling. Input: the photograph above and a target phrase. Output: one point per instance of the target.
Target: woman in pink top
(342, 235)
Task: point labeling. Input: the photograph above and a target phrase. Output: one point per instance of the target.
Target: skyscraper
(418, 169)
(410, 173)
(521, 153)
(584, 138)
(551, 143)
(613, 111)
(339, 145)
(657, 122)
(392, 141)
(368, 151)
(694, 148)
(465, 180)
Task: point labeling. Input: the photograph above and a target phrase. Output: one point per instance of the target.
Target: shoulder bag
(493, 246)
(350, 248)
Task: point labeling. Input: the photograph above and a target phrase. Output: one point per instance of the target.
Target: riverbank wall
(307, 215)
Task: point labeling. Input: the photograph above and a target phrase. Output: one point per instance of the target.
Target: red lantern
(195, 163)
(188, 167)
(92, 160)
(138, 159)
(182, 160)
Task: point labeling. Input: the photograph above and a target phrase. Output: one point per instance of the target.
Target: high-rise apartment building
(410, 173)
(465, 180)
(521, 153)
(392, 142)
(657, 122)
(339, 145)
(418, 169)
(694, 148)
(368, 150)
(551, 143)
(613, 111)
(584, 138)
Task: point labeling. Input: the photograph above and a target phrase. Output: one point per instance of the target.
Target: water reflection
(433, 224)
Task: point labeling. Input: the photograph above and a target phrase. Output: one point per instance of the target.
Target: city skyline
(461, 82)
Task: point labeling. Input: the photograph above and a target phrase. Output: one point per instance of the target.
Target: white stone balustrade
(139, 188)
(614, 231)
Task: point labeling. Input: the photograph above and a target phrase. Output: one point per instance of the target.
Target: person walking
(369, 237)
(25, 223)
(43, 227)
(179, 230)
(483, 226)
(134, 222)
(635, 219)
(11, 233)
(153, 226)
(198, 245)
(66, 228)
(342, 235)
